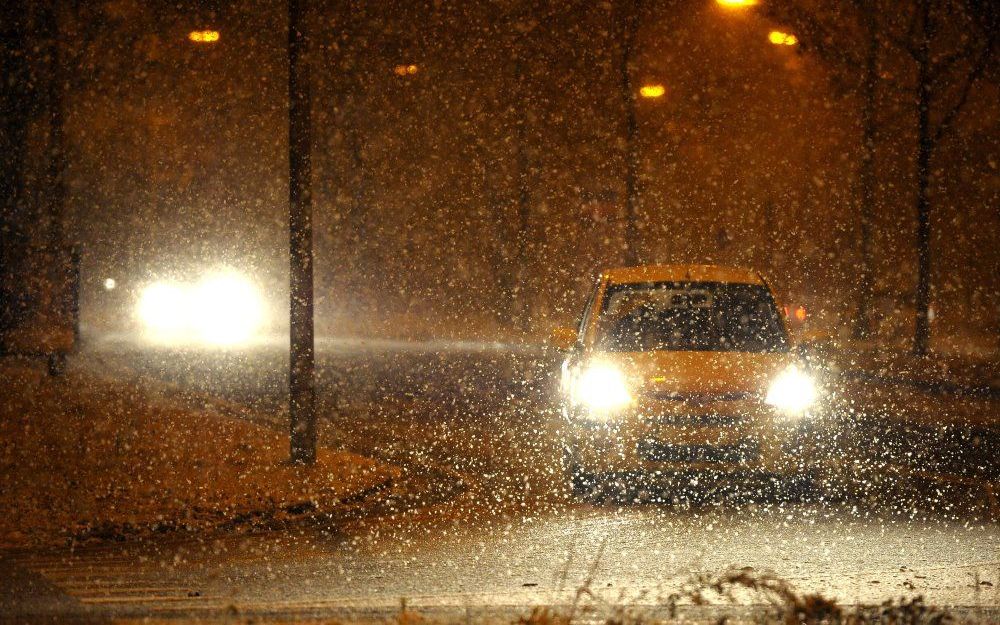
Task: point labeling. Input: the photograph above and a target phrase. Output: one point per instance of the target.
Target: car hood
(698, 373)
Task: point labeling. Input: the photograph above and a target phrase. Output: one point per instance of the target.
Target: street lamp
(405, 70)
(203, 36)
(779, 38)
(652, 91)
(737, 4)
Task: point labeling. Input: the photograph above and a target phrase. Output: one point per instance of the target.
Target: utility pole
(301, 380)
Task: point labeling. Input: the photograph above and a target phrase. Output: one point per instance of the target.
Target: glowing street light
(779, 38)
(203, 36)
(652, 91)
(737, 4)
(405, 70)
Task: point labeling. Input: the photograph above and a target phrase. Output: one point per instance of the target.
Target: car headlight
(224, 309)
(601, 388)
(792, 392)
(162, 310)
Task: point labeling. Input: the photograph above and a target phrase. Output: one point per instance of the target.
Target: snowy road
(506, 536)
(635, 555)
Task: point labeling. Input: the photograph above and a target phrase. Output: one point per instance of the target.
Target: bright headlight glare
(602, 388)
(162, 309)
(225, 308)
(792, 392)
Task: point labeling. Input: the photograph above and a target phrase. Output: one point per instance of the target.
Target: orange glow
(779, 38)
(800, 313)
(405, 70)
(204, 36)
(652, 91)
(737, 4)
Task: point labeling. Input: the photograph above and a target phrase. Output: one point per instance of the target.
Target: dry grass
(789, 607)
(736, 588)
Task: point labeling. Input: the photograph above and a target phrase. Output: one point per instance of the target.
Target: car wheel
(57, 363)
(582, 484)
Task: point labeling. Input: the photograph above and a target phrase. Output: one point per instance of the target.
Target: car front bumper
(729, 437)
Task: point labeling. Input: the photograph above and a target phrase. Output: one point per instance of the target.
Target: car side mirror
(562, 339)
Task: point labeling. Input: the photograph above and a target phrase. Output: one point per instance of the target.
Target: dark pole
(866, 287)
(301, 387)
(63, 259)
(631, 135)
(523, 164)
(922, 330)
(17, 102)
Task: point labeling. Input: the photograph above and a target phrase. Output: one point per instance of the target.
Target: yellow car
(685, 373)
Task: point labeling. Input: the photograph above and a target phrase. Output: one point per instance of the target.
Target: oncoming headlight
(601, 388)
(223, 309)
(792, 392)
(162, 309)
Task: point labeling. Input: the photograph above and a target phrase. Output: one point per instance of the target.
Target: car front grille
(659, 451)
(665, 395)
(710, 419)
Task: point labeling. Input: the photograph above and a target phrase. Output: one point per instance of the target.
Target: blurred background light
(405, 70)
(779, 38)
(162, 310)
(652, 91)
(224, 308)
(204, 36)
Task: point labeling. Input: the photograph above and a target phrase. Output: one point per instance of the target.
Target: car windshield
(690, 316)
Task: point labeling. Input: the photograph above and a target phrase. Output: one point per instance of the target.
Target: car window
(691, 316)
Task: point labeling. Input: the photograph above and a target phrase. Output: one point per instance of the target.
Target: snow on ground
(85, 457)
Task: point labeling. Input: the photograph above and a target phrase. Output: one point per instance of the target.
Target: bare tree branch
(943, 64)
(904, 41)
(973, 76)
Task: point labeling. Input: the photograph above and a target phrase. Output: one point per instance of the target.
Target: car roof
(682, 273)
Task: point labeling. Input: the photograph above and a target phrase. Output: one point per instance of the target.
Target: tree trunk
(358, 218)
(56, 175)
(523, 308)
(16, 107)
(866, 286)
(499, 249)
(64, 284)
(925, 145)
(302, 392)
